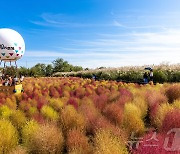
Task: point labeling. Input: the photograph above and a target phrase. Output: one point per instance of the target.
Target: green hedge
(160, 76)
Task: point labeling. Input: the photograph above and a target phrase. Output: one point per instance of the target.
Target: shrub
(100, 123)
(154, 98)
(5, 112)
(19, 150)
(49, 113)
(9, 136)
(53, 92)
(27, 132)
(107, 143)
(125, 92)
(79, 93)
(70, 119)
(173, 93)
(162, 110)
(132, 120)
(11, 103)
(57, 104)
(90, 113)
(175, 76)
(160, 76)
(114, 113)
(114, 96)
(73, 102)
(77, 142)
(171, 120)
(176, 104)
(100, 101)
(32, 111)
(18, 119)
(141, 104)
(48, 138)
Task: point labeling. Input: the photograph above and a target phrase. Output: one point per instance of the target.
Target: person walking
(145, 76)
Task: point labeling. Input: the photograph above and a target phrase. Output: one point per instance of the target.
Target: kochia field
(83, 116)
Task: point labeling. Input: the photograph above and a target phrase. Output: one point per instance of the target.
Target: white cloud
(118, 24)
(115, 50)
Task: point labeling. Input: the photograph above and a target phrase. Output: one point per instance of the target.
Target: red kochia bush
(25, 96)
(100, 90)
(173, 93)
(154, 98)
(100, 101)
(125, 96)
(171, 120)
(114, 113)
(53, 92)
(125, 92)
(77, 142)
(41, 101)
(79, 93)
(72, 101)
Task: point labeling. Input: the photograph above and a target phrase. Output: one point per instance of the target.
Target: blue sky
(94, 33)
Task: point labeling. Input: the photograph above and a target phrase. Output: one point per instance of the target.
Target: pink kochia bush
(171, 120)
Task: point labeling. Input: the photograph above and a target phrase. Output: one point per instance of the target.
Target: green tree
(61, 66)
(23, 71)
(77, 68)
(49, 70)
(38, 70)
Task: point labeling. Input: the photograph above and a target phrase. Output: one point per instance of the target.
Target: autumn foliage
(84, 116)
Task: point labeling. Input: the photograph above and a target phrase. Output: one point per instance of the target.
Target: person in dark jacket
(145, 76)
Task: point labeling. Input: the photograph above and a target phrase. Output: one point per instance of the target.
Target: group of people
(7, 80)
(148, 76)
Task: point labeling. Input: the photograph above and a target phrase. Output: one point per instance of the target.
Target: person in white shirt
(151, 75)
(22, 78)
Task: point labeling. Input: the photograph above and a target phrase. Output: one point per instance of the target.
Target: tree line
(161, 74)
(41, 69)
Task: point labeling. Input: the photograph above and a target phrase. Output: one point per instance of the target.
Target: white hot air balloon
(12, 46)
